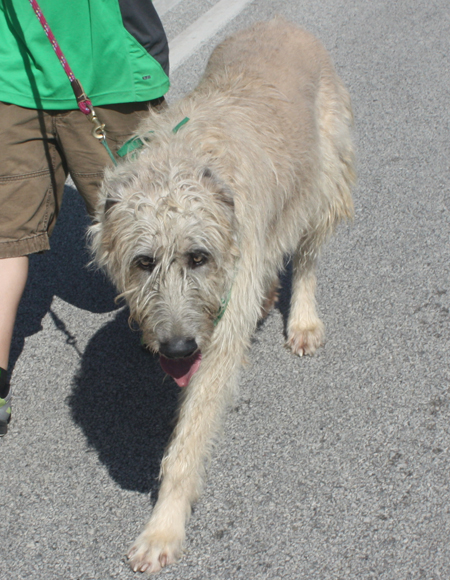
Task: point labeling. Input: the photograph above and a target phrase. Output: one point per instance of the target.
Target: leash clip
(99, 132)
(99, 128)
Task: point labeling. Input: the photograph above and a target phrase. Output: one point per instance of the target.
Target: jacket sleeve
(142, 21)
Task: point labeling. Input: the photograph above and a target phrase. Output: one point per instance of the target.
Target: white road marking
(186, 43)
(163, 6)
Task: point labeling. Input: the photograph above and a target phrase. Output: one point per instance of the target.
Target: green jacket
(112, 65)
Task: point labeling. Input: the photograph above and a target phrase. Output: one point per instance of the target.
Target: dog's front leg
(183, 465)
(305, 329)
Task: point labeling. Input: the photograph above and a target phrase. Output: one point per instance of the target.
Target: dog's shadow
(124, 405)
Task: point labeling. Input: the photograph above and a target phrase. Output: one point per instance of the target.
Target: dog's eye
(197, 259)
(146, 263)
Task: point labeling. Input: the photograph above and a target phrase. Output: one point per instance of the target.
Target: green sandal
(5, 412)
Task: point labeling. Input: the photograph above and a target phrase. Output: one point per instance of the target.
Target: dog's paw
(306, 340)
(152, 551)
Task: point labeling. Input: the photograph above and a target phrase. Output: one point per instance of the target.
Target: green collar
(224, 301)
(136, 142)
(223, 307)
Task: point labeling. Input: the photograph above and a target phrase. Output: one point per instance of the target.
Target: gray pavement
(332, 467)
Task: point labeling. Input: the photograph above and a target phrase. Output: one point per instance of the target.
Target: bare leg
(13, 277)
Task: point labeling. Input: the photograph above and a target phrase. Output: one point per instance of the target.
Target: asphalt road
(332, 467)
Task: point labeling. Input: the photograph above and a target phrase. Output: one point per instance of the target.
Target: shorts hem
(25, 246)
(82, 174)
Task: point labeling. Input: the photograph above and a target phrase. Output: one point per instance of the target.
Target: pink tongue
(181, 369)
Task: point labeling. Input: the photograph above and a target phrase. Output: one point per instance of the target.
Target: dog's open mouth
(181, 369)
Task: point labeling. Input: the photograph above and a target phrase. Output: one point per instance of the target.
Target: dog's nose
(178, 347)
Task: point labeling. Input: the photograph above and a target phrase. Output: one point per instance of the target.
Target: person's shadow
(120, 397)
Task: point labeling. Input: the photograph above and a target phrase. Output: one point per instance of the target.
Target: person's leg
(13, 276)
(32, 176)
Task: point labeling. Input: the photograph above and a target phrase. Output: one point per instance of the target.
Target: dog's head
(168, 241)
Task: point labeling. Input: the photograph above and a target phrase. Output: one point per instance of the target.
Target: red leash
(83, 101)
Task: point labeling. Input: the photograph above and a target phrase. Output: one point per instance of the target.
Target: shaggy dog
(254, 165)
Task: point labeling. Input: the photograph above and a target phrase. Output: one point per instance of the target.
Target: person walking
(118, 50)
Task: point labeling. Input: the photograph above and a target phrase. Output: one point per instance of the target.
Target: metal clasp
(99, 132)
(99, 128)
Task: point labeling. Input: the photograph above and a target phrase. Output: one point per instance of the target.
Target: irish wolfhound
(194, 226)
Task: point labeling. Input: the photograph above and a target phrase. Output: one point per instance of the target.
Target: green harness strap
(136, 142)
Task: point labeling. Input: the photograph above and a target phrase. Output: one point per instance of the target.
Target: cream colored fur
(262, 170)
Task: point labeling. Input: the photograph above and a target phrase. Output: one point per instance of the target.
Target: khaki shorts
(38, 149)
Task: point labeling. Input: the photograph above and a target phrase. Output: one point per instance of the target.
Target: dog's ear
(218, 187)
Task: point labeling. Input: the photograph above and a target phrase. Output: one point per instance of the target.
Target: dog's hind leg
(305, 329)
(183, 466)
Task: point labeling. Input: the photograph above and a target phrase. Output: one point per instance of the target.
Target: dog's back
(277, 51)
(308, 115)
